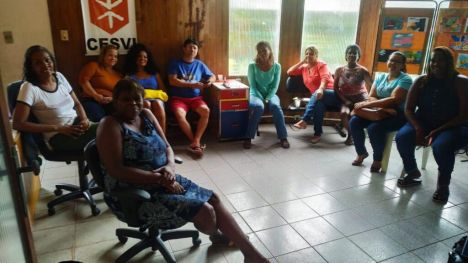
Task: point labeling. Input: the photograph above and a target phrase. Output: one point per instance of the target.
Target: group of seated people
(432, 111)
(435, 114)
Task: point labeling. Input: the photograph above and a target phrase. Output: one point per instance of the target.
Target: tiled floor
(304, 204)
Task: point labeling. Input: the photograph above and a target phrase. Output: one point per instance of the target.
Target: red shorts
(186, 103)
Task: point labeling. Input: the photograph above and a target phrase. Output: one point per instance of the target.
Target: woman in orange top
(318, 79)
(98, 80)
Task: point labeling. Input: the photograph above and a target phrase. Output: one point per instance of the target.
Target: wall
(162, 25)
(28, 27)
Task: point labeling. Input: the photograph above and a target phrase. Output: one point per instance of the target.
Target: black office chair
(126, 205)
(33, 144)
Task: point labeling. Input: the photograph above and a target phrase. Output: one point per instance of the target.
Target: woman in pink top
(352, 82)
(318, 80)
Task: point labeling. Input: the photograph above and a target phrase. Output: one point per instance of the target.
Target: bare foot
(300, 124)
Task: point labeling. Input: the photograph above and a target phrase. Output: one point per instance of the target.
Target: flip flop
(195, 150)
(359, 162)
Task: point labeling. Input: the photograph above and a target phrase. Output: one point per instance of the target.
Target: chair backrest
(295, 84)
(12, 93)
(91, 155)
(124, 204)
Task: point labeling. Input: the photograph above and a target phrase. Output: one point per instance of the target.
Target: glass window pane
(330, 26)
(251, 21)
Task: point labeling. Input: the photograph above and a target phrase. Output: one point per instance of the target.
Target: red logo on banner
(109, 15)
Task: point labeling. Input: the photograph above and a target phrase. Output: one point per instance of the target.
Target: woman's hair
(449, 58)
(127, 85)
(103, 53)
(28, 72)
(130, 66)
(312, 48)
(403, 57)
(264, 44)
(353, 47)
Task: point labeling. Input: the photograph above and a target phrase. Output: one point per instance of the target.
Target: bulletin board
(406, 30)
(452, 31)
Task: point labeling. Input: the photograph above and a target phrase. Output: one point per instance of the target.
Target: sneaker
(315, 139)
(284, 143)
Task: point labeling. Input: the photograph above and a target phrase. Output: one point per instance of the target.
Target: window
(331, 26)
(251, 21)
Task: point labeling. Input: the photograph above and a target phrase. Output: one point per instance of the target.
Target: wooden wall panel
(164, 24)
(292, 17)
(368, 25)
(66, 15)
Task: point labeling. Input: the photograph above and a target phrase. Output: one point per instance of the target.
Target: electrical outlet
(64, 35)
(8, 37)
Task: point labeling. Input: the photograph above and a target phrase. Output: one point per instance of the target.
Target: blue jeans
(256, 108)
(444, 146)
(94, 110)
(316, 109)
(377, 131)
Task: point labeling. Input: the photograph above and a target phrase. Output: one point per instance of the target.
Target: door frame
(15, 183)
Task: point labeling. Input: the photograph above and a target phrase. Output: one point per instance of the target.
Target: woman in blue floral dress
(144, 159)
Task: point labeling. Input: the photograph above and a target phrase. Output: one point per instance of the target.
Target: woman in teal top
(389, 93)
(264, 76)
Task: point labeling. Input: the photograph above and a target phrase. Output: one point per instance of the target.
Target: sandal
(411, 179)
(375, 167)
(441, 195)
(284, 143)
(315, 139)
(360, 159)
(197, 151)
(339, 130)
(349, 141)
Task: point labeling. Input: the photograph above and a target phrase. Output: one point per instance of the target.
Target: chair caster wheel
(51, 211)
(58, 192)
(122, 239)
(95, 211)
(196, 242)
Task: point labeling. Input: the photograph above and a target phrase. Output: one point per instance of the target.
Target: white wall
(29, 22)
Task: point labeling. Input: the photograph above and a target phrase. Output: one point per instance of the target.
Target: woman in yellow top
(98, 80)
(140, 66)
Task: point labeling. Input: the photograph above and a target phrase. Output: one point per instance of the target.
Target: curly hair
(28, 72)
(130, 66)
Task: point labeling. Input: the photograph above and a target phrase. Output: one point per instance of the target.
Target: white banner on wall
(108, 22)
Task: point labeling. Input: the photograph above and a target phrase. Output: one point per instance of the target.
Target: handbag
(156, 94)
(459, 253)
